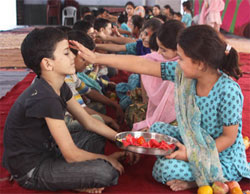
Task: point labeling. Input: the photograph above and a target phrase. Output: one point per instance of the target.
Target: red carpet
(137, 178)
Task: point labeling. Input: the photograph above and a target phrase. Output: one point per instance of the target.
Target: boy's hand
(85, 53)
(119, 114)
(116, 32)
(113, 159)
(113, 124)
(133, 158)
(180, 154)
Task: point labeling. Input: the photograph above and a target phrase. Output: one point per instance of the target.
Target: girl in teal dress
(187, 15)
(208, 107)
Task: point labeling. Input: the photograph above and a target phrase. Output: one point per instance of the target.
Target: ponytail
(230, 64)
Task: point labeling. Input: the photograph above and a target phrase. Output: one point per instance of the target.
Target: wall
(235, 16)
(175, 4)
(35, 10)
(8, 18)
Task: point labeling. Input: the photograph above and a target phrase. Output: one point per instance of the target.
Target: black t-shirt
(27, 139)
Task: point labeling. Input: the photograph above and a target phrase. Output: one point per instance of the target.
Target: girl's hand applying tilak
(85, 53)
(180, 154)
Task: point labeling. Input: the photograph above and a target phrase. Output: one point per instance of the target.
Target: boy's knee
(107, 174)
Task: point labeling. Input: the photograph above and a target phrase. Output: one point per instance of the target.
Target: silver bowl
(147, 136)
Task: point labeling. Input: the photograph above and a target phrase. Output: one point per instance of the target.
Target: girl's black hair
(163, 18)
(158, 6)
(153, 43)
(137, 21)
(167, 7)
(130, 3)
(168, 32)
(188, 5)
(123, 18)
(170, 9)
(202, 43)
(153, 24)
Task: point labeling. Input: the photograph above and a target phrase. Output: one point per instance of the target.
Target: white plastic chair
(67, 13)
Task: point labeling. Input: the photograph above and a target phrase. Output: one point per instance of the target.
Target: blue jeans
(54, 173)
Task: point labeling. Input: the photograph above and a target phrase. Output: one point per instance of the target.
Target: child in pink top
(210, 13)
(161, 93)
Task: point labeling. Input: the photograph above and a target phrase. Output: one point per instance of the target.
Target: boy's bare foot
(179, 185)
(91, 190)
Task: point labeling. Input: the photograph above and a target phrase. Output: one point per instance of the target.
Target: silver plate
(147, 136)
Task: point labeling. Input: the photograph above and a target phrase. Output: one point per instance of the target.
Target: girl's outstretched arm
(130, 63)
(111, 47)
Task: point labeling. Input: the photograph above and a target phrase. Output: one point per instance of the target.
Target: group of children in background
(55, 133)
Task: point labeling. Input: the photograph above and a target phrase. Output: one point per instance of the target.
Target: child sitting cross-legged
(208, 105)
(40, 152)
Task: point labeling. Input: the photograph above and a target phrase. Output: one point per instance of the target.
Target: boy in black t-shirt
(39, 150)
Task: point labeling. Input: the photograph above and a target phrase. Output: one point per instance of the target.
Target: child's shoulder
(228, 86)
(228, 81)
(71, 78)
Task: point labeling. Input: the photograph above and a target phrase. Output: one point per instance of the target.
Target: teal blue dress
(187, 19)
(222, 107)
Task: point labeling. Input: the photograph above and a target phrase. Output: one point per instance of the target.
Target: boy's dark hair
(82, 25)
(82, 38)
(130, 3)
(85, 10)
(153, 24)
(178, 14)
(153, 43)
(168, 32)
(158, 6)
(202, 43)
(40, 43)
(101, 10)
(64, 28)
(95, 12)
(89, 18)
(123, 18)
(161, 17)
(137, 21)
(101, 23)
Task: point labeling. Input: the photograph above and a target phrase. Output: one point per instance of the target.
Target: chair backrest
(69, 11)
(53, 10)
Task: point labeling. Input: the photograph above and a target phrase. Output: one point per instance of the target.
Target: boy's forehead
(91, 29)
(109, 25)
(63, 44)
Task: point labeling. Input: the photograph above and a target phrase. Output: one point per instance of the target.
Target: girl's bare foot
(179, 185)
(91, 190)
